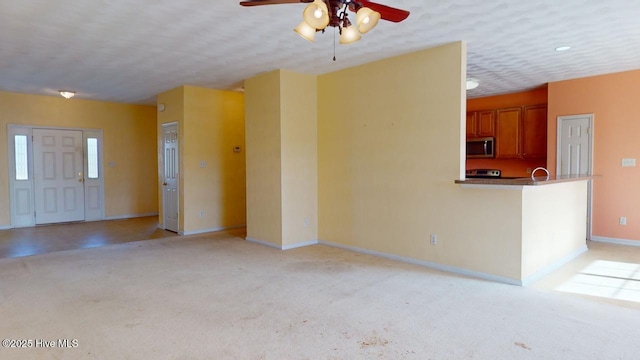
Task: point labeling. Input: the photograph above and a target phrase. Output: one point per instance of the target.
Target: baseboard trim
(130, 216)
(261, 242)
(553, 266)
(300, 244)
(285, 247)
(428, 264)
(615, 241)
(5, 227)
(215, 229)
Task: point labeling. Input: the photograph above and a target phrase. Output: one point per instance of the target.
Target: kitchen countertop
(526, 181)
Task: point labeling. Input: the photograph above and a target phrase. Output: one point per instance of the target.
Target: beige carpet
(216, 296)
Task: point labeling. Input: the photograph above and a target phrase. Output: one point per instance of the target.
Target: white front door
(170, 177)
(575, 141)
(58, 175)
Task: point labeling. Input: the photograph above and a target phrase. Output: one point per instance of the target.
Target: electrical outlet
(306, 222)
(434, 239)
(628, 162)
(201, 213)
(623, 220)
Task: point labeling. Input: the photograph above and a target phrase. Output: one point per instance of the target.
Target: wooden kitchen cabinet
(480, 123)
(508, 133)
(521, 132)
(472, 117)
(534, 131)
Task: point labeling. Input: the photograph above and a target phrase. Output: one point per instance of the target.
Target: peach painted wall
(613, 99)
(509, 167)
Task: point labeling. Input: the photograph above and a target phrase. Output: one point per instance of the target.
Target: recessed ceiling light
(472, 83)
(563, 48)
(67, 94)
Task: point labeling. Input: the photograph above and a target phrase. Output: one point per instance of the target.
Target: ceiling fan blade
(272, 2)
(387, 12)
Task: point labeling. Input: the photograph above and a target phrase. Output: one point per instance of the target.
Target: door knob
(164, 184)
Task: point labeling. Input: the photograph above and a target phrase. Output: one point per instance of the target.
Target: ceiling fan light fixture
(67, 94)
(472, 83)
(316, 14)
(307, 32)
(367, 19)
(348, 33)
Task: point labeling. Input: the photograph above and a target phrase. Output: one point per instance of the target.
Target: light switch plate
(628, 162)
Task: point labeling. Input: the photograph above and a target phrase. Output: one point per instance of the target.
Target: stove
(483, 174)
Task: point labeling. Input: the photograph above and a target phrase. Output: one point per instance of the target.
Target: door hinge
(588, 131)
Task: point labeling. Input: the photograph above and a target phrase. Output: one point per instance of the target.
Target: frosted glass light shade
(316, 15)
(306, 31)
(349, 35)
(366, 19)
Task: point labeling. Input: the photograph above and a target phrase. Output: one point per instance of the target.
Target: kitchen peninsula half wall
(547, 227)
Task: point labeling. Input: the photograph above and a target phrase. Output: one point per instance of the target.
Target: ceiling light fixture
(319, 14)
(472, 83)
(322, 13)
(67, 94)
(563, 48)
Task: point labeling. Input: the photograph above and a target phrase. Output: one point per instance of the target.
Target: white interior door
(574, 152)
(58, 175)
(574, 145)
(170, 181)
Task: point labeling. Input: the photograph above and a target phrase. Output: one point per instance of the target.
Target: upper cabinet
(521, 132)
(508, 132)
(481, 123)
(534, 131)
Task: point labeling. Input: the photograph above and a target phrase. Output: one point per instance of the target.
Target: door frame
(590, 132)
(15, 129)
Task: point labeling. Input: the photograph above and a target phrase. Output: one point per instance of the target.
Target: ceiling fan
(322, 13)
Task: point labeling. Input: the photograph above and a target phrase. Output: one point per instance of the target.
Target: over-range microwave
(480, 147)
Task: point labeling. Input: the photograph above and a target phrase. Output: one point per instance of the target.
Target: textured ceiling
(129, 51)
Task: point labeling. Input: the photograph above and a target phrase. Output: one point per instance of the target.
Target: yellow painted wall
(214, 124)
(129, 143)
(390, 147)
(282, 158)
(263, 157)
(299, 137)
(553, 223)
(212, 175)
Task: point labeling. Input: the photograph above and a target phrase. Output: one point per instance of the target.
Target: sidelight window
(22, 160)
(92, 158)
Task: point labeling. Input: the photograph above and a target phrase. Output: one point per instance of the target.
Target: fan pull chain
(334, 44)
